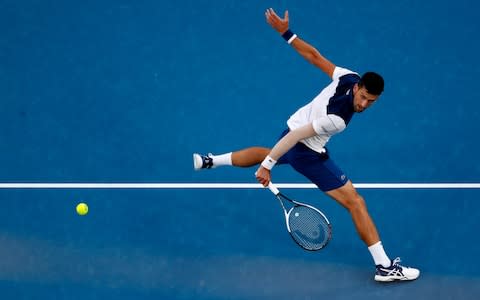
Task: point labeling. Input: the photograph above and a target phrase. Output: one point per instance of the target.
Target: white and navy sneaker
(395, 272)
(202, 161)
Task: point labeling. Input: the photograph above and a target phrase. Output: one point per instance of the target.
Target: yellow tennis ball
(82, 209)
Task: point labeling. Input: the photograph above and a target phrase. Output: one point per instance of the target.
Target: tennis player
(302, 144)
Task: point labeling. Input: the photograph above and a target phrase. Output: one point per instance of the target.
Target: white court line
(229, 185)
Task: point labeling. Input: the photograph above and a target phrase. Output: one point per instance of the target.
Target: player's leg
(247, 157)
(243, 158)
(386, 269)
(323, 171)
(348, 197)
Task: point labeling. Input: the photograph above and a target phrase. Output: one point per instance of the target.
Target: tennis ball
(82, 209)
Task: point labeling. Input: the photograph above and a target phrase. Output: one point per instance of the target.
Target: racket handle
(273, 188)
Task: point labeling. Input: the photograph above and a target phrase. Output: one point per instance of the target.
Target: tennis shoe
(202, 161)
(395, 272)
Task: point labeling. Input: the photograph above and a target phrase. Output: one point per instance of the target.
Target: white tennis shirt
(330, 111)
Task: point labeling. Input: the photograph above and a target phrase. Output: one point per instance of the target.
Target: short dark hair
(373, 82)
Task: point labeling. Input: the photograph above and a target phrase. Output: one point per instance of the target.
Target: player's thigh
(322, 171)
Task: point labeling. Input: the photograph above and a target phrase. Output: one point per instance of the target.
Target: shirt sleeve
(329, 124)
(339, 72)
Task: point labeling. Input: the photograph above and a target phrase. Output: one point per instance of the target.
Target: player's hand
(279, 24)
(263, 176)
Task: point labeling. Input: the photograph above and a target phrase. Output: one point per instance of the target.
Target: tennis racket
(307, 225)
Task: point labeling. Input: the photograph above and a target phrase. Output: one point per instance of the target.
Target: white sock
(222, 160)
(379, 255)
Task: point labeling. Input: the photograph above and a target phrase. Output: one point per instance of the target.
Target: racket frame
(281, 197)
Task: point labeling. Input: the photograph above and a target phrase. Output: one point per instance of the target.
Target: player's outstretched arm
(281, 147)
(303, 48)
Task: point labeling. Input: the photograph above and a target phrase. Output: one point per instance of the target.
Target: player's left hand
(279, 24)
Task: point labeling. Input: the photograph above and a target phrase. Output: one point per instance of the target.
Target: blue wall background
(125, 91)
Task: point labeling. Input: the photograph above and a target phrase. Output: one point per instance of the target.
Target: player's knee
(356, 203)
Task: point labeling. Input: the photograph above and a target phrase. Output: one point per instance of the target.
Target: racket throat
(287, 216)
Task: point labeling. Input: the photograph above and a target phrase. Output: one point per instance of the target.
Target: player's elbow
(313, 57)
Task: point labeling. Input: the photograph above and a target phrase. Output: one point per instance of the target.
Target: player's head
(367, 90)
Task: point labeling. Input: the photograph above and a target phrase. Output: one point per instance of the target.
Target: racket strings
(308, 228)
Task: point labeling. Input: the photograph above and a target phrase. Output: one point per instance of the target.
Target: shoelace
(396, 263)
(208, 161)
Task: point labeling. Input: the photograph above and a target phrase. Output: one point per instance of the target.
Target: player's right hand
(263, 176)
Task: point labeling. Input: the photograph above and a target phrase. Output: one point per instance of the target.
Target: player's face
(362, 99)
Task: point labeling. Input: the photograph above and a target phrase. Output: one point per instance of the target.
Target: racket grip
(273, 188)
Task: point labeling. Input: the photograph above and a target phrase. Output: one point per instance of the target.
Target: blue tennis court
(124, 92)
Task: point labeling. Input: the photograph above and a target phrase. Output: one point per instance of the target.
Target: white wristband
(268, 163)
(290, 40)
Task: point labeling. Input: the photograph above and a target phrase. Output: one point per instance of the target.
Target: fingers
(268, 17)
(263, 176)
(274, 13)
(279, 24)
(263, 181)
(271, 16)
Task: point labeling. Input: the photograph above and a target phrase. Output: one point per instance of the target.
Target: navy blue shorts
(319, 168)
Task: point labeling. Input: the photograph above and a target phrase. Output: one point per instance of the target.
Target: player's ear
(355, 88)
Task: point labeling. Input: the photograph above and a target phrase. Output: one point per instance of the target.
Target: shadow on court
(73, 273)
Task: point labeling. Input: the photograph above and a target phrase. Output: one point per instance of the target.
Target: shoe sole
(390, 278)
(197, 162)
